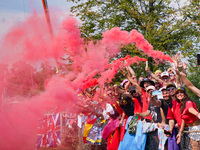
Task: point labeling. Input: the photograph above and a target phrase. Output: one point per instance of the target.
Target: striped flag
(88, 125)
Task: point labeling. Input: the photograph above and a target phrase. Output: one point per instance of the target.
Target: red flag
(113, 140)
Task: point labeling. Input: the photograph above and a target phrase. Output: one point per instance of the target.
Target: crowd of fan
(159, 98)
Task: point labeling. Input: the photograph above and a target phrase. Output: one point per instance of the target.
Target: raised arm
(183, 68)
(179, 64)
(153, 75)
(132, 81)
(153, 100)
(178, 81)
(131, 71)
(190, 86)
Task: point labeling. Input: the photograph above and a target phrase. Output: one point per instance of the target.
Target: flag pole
(46, 11)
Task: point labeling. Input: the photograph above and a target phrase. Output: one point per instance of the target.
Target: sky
(14, 11)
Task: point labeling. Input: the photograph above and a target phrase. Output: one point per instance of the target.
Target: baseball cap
(164, 74)
(163, 88)
(151, 87)
(180, 89)
(171, 84)
(157, 71)
(146, 80)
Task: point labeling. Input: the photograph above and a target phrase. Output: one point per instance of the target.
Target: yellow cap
(158, 71)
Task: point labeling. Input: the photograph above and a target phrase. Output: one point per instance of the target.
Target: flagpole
(46, 11)
(79, 137)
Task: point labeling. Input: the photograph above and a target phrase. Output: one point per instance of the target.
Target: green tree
(166, 26)
(193, 76)
(162, 25)
(191, 13)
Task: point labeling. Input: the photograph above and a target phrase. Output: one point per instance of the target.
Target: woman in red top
(190, 116)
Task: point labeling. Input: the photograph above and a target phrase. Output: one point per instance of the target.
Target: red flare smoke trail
(114, 37)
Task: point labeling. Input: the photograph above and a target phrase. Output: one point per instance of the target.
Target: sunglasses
(170, 88)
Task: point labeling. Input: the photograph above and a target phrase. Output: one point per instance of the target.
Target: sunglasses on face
(165, 78)
(170, 88)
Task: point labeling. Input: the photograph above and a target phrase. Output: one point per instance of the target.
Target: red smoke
(30, 41)
(114, 37)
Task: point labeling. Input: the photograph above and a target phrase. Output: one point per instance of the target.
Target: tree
(194, 71)
(168, 27)
(191, 14)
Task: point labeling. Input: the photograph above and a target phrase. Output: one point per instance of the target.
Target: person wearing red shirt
(173, 115)
(142, 91)
(136, 98)
(144, 84)
(190, 116)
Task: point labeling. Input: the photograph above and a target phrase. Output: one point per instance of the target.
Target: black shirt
(165, 104)
(127, 105)
(155, 113)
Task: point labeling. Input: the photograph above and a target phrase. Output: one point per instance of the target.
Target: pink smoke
(117, 64)
(30, 41)
(114, 37)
